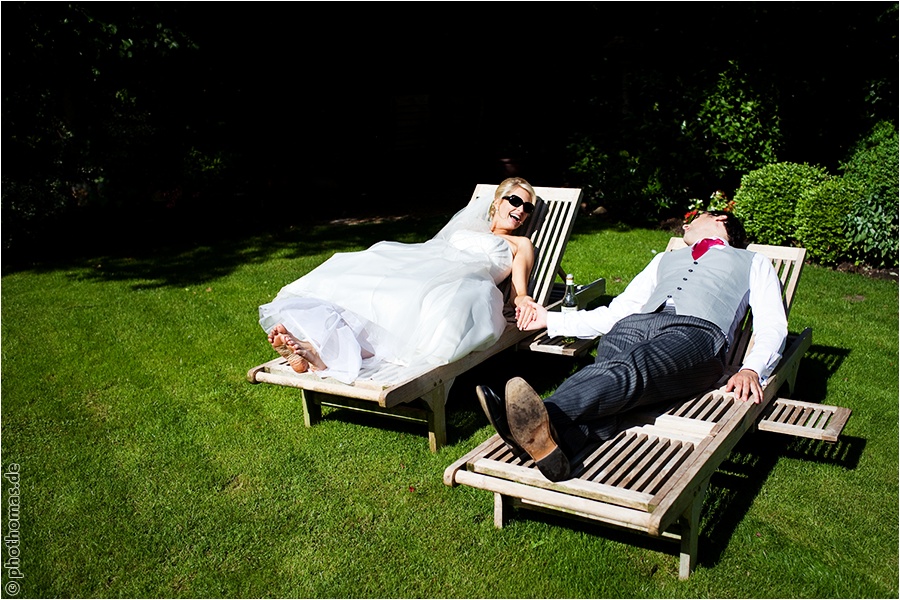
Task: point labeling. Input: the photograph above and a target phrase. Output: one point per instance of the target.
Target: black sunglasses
(528, 207)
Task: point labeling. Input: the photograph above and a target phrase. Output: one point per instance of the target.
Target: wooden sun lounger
(421, 396)
(653, 475)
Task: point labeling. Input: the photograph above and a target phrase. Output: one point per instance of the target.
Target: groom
(664, 338)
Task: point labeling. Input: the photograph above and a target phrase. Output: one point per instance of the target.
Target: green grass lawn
(150, 467)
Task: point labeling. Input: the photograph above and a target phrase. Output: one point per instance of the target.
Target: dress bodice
(495, 250)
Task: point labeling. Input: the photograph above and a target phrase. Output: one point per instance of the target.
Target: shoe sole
(530, 427)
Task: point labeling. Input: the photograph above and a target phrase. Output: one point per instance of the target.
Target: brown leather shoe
(530, 427)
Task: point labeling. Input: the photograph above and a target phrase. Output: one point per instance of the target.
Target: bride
(414, 305)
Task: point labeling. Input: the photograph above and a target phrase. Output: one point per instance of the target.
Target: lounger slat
(820, 419)
(783, 414)
(634, 468)
(574, 504)
(487, 448)
(631, 465)
(651, 468)
(502, 453)
(677, 460)
(576, 487)
(597, 464)
(720, 408)
(360, 392)
(656, 431)
(810, 416)
(678, 428)
(708, 404)
(707, 409)
(803, 415)
(610, 466)
(690, 408)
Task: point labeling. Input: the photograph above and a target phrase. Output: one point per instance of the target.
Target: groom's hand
(745, 385)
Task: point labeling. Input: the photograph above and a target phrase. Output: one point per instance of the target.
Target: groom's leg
(650, 358)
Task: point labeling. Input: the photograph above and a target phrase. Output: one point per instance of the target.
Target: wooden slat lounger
(421, 396)
(653, 475)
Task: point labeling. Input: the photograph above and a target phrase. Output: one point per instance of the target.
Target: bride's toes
(308, 351)
(301, 354)
(282, 347)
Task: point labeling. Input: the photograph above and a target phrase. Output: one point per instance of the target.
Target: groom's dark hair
(737, 235)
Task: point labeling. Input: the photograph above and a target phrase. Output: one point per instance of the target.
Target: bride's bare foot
(279, 337)
(307, 351)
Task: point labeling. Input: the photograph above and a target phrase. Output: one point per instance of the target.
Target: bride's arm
(523, 261)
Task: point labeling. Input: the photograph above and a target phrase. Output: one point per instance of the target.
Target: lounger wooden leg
(690, 533)
(436, 400)
(502, 504)
(312, 410)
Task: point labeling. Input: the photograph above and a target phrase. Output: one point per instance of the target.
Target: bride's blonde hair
(505, 187)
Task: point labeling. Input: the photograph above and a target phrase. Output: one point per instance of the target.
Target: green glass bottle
(570, 301)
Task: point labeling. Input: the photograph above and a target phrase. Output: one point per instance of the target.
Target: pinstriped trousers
(644, 359)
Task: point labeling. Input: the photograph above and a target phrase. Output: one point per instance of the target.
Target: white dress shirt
(769, 320)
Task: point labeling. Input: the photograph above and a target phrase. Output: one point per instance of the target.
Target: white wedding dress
(414, 305)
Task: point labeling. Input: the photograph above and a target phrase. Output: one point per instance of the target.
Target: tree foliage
(739, 125)
(871, 223)
(87, 121)
(126, 107)
(696, 98)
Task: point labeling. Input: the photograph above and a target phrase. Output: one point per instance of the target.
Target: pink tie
(703, 245)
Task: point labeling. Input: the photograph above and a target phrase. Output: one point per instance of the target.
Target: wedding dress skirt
(415, 305)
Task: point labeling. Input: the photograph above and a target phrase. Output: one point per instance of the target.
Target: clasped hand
(531, 316)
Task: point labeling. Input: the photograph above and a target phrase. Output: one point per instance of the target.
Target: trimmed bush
(767, 199)
(872, 222)
(821, 217)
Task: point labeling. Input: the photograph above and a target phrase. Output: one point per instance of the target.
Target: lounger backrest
(549, 228)
(788, 263)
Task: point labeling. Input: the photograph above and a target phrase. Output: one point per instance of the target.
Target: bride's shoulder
(518, 243)
(523, 244)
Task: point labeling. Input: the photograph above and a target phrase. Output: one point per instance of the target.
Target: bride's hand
(526, 313)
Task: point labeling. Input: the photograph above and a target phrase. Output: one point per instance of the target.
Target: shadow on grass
(174, 246)
(175, 257)
(733, 488)
(818, 365)
(160, 242)
(463, 412)
(739, 480)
